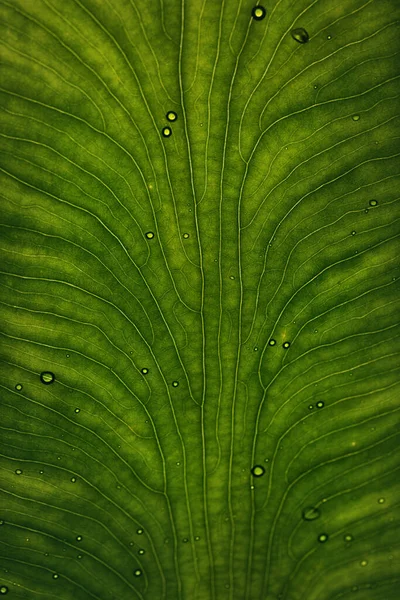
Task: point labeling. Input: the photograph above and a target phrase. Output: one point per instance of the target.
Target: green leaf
(199, 300)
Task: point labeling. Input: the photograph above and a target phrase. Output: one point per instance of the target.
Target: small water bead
(232, 277)
(252, 487)
(137, 572)
(258, 13)
(141, 551)
(310, 406)
(373, 202)
(353, 233)
(186, 236)
(149, 235)
(79, 556)
(3, 589)
(55, 576)
(348, 537)
(18, 387)
(300, 35)
(310, 513)
(171, 116)
(175, 383)
(255, 348)
(320, 404)
(77, 410)
(323, 537)
(364, 563)
(67, 355)
(356, 117)
(18, 471)
(47, 377)
(139, 531)
(144, 371)
(167, 132)
(328, 37)
(79, 538)
(185, 540)
(73, 479)
(381, 500)
(286, 345)
(257, 471)
(41, 472)
(1, 522)
(197, 538)
(272, 342)
(178, 464)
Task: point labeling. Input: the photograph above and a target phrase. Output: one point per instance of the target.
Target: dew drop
(18, 387)
(41, 472)
(255, 348)
(286, 345)
(348, 537)
(272, 342)
(328, 37)
(185, 540)
(171, 116)
(353, 233)
(232, 277)
(1, 522)
(178, 464)
(144, 371)
(73, 479)
(257, 471)
(79, 556)
(79, 538)
(323, 537)
(149, 235)
(139, 531)
(252, 487)
(77, 410)
(310, 406)
(258, 13)
(18, 471)
(186, 236)
(364, 563)
(175, 383)
(310, 513)
(137, 572)
(381, 500)
(67, 355)
(320, 404)
(141, 551)
(167, 131)
(373, 202)
(356, 117)
(3, 589)
(300, 35)
(197, 538)
(55, 576)
(47, 377)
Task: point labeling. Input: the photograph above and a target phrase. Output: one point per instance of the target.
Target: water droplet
(266, 460)
(185, 540)
(328, 37)
(364, 563)
(144, 371)
(272, 342)
(141, 551)
(252, 487)
(79, 538)
(171, 115)
(67, 355)
(286, 345)
(167, 131)
(41, 472)
(323, 537)
(18, 471)
(175, 383)
(310, 406)
(55, 576)
(232, 277)
(373, 202)
(77, 410)
(73, 479)
(1, 522)
(137, 572)
(257, 471)
(139, 531)
(348, 537)
(353, 233)
(197, 538)
(149, 235)
(255, 348)
(79, 556)
(3, 589)
(178, 464)
(310, 513)
(381, 500)
(47, 377)
(366, 210)
(186, 236)
(320, 404)
(18, 387)
(258, 13)
(300, 35)
(356, 117)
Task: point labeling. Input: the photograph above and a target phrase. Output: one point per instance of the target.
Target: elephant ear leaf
(199, 300)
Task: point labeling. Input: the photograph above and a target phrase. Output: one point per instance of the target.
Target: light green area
(221, 300)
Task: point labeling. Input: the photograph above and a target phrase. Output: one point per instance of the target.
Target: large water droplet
(257, 471)
(323, 537)
(175, 383)
(272, 342)
(47, 377)
(144, 371)
(167, 131)
(139, 531)
(373, 202)
(258, 13)
(3, 589)
(300, 35)
(141, 551)
(18, 387)
(149, 235)
(77, 410)
(286, 345)
(310, 513)
(137, 572)
(171, 116)
(320, 404)
(18, 471)
(186, 236)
